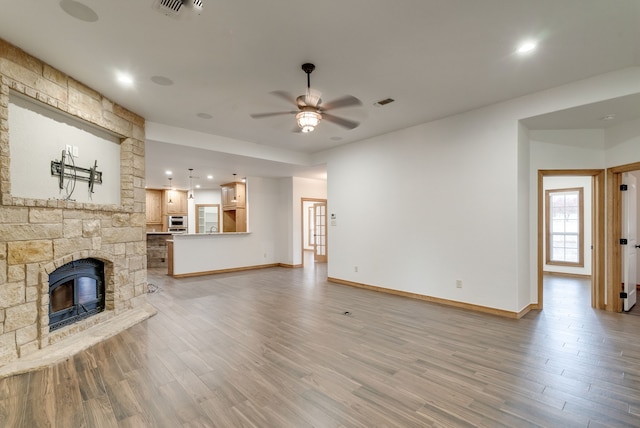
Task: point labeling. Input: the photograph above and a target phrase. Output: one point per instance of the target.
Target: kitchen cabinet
(234, 220)
(175, 202)
(233, 196)
(154, 209)
(234, 212)
(158, 207)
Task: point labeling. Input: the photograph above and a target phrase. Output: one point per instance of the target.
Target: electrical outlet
(75, 151)
(265, 255)
(458, 283)
(355, 268)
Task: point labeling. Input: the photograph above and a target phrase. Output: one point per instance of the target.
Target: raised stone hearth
(39, 235)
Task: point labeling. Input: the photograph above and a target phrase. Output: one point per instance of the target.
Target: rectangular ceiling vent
(384, 102)
(170, 6)
(175, 7)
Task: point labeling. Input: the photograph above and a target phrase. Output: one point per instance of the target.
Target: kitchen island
(157, 249)
(194, 254)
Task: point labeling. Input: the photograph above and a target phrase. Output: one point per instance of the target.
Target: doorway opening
(616, 250)
(314, 231)
(594, 208)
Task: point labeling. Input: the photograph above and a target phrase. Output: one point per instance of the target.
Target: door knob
(637, 246)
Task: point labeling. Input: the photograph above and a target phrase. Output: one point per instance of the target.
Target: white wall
(524, 262)
(455, 206)
(39, 135)
(550, 183)
(620, 141)
(285, 220)
(444, 209)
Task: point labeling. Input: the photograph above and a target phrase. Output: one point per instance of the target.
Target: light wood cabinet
(154, 207)
(234, 212)
(233, 196)
(234, 220)
(158, 207)
(178, 205)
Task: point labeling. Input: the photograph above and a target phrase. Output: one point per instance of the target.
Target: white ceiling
(435, 58)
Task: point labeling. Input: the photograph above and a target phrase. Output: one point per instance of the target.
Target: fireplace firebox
(76, 291)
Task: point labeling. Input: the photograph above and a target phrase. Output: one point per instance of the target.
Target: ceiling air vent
(171, 6)
(383, 102)
(174, 7)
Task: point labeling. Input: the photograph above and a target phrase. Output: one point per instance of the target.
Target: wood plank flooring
(274, 348)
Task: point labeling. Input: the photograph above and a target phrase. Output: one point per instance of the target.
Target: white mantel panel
(39, 135)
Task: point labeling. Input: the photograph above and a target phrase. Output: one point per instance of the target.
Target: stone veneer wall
(38, 236)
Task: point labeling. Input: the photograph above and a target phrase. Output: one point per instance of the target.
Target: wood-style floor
(274, 348)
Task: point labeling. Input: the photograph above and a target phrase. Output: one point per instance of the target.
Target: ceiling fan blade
(285, 96)
(278, 113)
(346, 101)
(345, 123)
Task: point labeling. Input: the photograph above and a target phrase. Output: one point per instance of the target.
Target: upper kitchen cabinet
(175, 202)
(234, 213)
(233, 196)
(154, 206)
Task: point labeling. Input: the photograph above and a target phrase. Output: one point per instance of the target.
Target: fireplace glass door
(76, 291)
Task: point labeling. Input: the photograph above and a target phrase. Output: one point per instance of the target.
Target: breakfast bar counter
(194, 254)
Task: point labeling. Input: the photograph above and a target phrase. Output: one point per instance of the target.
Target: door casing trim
(614, 233)
(598, 232)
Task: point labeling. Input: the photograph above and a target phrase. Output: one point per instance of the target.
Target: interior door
(629, 226)
(320, 235)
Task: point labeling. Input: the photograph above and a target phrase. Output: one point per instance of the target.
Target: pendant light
(170, 189)
(190, 183)
(234, 200)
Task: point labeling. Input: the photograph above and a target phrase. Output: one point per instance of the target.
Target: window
(565, 227)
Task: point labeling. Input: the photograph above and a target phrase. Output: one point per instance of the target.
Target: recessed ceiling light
(79, 10)
(204, 116)
(125, 79)
(527, 47)
(209, 177)
(161, 80)
(608, 117)
(197, 186)
(168, 172)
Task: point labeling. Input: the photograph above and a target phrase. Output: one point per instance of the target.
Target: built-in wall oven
(177, 223)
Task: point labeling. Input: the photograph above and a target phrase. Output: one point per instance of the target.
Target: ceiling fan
(310, 108)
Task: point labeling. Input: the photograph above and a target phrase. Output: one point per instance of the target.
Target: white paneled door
(629, 232)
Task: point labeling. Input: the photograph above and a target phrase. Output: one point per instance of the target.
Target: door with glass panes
(320, 235)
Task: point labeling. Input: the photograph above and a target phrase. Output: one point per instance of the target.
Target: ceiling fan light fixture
(308, 120)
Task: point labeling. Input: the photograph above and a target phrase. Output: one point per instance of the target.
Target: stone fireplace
(40, 236)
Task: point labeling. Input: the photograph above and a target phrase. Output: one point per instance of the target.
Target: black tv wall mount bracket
(72, 172)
